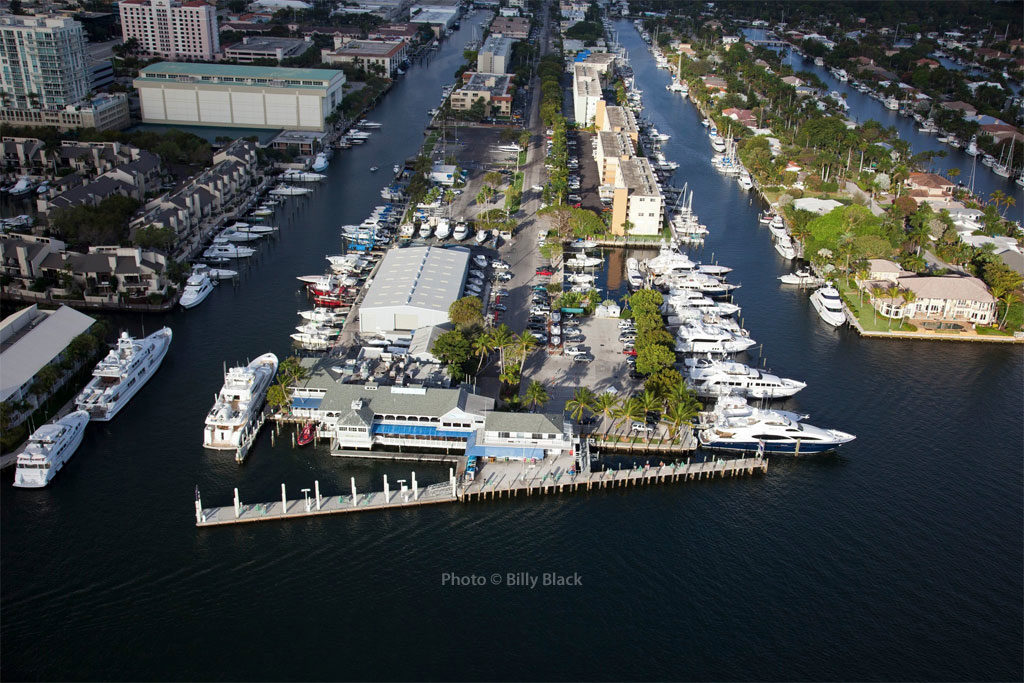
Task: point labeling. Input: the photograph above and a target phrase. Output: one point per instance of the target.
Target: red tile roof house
(715, 83)
(744, 116)
(1002, 132)
(962, 107)
(929, 186)
(987, 53)
(930, 63)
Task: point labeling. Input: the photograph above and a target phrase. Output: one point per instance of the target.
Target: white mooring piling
(238, 505)
(415, 488)
(284, 500)
(355, 499)
(387, 490)
(316, 487)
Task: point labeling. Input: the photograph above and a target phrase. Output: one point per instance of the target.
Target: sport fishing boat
(737, 427)
(698, 337)
(711, 378)
(482, 236)
(802, 278)
(48, 449)
(444, 229)
(235, 416)
(296, 176)
(214, 273)
(461, 232)
(583, 261)
(197, 288)
(230, 251)
(320, 162)
(289, 191)
(121, 374)
(322, 315)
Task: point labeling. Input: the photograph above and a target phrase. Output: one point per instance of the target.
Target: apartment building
(637, 199)
(495, 56)
(172, 29)
(494, 89)
(43, 62)
(381, 56)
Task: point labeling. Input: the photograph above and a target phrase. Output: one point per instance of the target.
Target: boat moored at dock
(121, 374)
(234, 418)
(48, 448)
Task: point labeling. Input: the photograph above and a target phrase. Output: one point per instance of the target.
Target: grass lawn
(865, 313)
(993, 332)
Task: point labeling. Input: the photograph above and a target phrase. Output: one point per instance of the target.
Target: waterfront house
(743, 116)
(715, 84)
(22, 256)
(793, 81)
(925, 187)
(106, 274)
(967, 110)
(937, 299)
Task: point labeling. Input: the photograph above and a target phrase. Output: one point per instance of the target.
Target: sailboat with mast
(1004, 169)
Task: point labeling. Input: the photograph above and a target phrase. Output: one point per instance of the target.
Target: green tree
(653, 359)
(680, 415)
(536, 394)
(467, 311)
(629, 410)
(278, 397)
(455, 350)
(502, 338)
(582, 401)
(605, 404)
(482, 347)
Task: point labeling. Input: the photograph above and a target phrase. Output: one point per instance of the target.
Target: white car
(575, 351)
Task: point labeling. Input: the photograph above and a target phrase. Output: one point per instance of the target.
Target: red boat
(306, 435)
(328, 301)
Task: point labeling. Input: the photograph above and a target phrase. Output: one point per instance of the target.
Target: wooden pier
(501, 482)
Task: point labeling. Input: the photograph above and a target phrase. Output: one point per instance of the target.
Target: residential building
(394, 32)
(22, 257)
(43, 62)
(107, 274)
(173, 29)
(1003, 133)
(599, 62)
(388, 10)
(191, 209)
(715, 84)
(304, 142)
(793, 81)
(134, 179)
(102, 112)
(495, 55)
(413, 288)
(967, 110)
(253, 48)
(946, 298)
(620, 120)
(743, 116)
(517, 28)
(31, 339)
(929, 186)
(494, 89)
(612, 147)
(380, 56)
(588, 97)
(637, 199)
(243, 96)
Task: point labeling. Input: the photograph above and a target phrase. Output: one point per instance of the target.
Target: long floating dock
(501, 483)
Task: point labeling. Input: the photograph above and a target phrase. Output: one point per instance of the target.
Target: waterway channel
(899, 558)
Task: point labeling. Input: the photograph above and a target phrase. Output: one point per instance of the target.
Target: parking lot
(608, 370)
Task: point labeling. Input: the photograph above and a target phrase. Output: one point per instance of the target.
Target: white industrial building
(413, 288)
(242, 96)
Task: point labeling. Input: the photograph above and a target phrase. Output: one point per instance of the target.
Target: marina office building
(363, 416)
(242, 96)
(413, 288)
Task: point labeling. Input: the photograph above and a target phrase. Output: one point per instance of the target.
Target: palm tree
(1008, 203)
(536, 394)
(680, 415)
(582, 401)
(629, 410)
(482, 347)
(997, 198)
(1008, 298)
(891, 293)
(649, 401)
(908, 297)
(953, 173)
(501, 338)
(680, 393)
(522, 345)
(605, 404)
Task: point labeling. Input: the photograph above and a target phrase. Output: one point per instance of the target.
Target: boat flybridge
(235, 417)
(48, 448)
(121, 374)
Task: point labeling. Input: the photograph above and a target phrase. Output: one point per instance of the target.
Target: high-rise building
(42, 62)
(172, 29)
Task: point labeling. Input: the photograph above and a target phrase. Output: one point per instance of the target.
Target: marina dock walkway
(508, 481)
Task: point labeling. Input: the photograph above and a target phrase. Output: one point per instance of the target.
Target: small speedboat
(374, 169)
(306, 434)
(482, 236)
(320, 163)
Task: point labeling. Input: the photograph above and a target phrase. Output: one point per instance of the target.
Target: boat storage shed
(413, 288)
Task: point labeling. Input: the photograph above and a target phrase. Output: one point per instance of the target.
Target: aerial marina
(679, 300)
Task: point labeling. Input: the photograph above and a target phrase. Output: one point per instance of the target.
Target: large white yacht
(738, 427)
(234, 418)
(48, 449)
(706, 284)
(693, 299)
(122, 373)
(197, 288)
(221, 250)
(711, 378)
(829, 306)
(803, 277)
(698, 337)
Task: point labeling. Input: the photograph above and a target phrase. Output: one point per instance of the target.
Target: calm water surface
(899, 559)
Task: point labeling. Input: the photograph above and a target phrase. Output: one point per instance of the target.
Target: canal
(864, 108)
(898, 559)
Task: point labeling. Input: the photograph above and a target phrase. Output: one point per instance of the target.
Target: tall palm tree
(582, 401)
(908, 297)
(680, 415)
(501, 338)
(1008, 299)
(649, 401)
(482, 347)
(629, 410)
(605, 404)
(536, 394)
(892, 292)
(522, 346)
(997, 198)
(1008, 203)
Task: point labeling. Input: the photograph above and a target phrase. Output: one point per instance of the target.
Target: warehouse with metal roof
(413, 288)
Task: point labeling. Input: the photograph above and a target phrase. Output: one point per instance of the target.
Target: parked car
(545, 271)
(641, 427)
(584, 358)
(576, 351)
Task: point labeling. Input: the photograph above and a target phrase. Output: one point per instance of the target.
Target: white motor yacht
(197, 288)
(706, 284)
(320, 162)
(48, 449)
(234, 418)
(23, 186)
(737, 427)
(444, 229)
(313, 342)
(802, 278)
(289, 191)
(583, 261)
(972, 146)
(745, 181)
(698, 337)
(785, 248)
(122, 373)
(426, 230)
(214, 273)
(711, 378)
(233, 234)
(829, 306)
(461, 232)
(228, 251)
(297, 176)
(482, 236)
(324, 316)
(691, 298)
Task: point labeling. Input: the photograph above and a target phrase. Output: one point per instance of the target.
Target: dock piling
(284, 500)
(355, 500)
(387, 490)
(415, 488)
(238, 505)
(316, 487)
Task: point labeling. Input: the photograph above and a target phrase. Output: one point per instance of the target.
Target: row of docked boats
(115, 380)
(699, 309)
